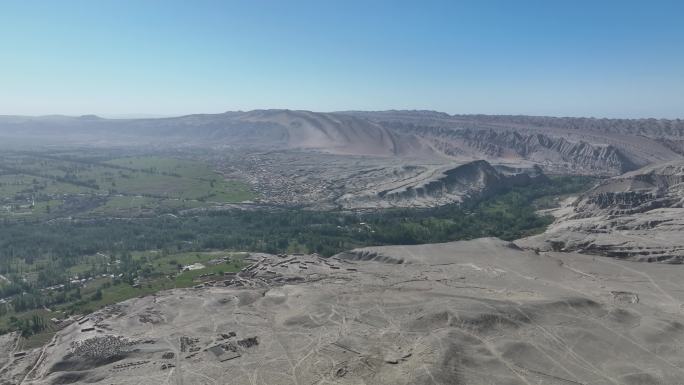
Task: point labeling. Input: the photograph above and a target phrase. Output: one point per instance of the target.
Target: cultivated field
(98, 280)
(44, 185)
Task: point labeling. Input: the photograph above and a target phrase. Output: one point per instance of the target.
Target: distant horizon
(163, 116)
(612, 58)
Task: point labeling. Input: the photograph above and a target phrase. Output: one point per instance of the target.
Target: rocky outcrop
(653, 128)
(552, 152)
(560, 145)
(647, 127)
(471, 180)
(636, 192)
(541, 148)
(637, 216)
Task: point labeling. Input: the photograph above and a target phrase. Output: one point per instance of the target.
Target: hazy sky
(567, 57)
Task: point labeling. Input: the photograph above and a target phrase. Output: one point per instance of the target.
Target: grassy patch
(187, 278)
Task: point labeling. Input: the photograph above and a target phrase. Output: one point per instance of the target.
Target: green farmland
(100, 280)
(39, 186)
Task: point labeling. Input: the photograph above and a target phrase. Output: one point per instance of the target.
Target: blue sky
(598, 58)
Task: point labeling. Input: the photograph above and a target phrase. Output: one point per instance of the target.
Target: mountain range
(559, 145)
